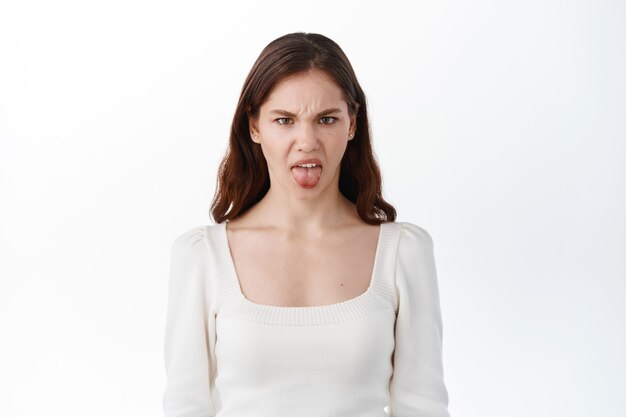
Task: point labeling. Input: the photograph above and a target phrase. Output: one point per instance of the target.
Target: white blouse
(376, 355)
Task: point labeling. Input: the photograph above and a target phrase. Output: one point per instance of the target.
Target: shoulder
(190, 260)
(196, 241)
(198, 244)
(199, 235)
(187, 249)
(416, 272)
(189, 238)
(414, 236)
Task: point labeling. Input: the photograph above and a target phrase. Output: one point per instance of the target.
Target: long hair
(243, 177)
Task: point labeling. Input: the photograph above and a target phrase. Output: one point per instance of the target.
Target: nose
(306, 139)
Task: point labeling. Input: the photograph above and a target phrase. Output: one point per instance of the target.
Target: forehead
(310, 88)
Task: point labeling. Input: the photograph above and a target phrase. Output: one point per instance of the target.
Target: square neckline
(368, 293)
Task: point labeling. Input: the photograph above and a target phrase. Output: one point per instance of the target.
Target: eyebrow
(320, 114)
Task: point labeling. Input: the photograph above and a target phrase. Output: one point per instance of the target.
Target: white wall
(499, 126)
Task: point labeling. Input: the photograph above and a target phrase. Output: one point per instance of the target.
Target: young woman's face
(304, 117)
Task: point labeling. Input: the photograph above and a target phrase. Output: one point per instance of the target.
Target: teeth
(307, 165)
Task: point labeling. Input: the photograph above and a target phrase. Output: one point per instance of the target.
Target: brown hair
(243, 177)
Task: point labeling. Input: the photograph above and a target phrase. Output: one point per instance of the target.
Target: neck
(305, 214)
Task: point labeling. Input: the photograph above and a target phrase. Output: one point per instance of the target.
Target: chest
(352, 353)
(304, 272)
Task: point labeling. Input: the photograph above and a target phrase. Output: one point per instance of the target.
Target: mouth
(307, 175)
(307, 163)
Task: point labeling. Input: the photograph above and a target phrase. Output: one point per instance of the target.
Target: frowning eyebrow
(320, 114)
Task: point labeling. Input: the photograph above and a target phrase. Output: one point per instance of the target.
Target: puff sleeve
(189, 330)
(417, 387)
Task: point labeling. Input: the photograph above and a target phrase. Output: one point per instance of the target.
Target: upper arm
(187, 332)
(417, 386)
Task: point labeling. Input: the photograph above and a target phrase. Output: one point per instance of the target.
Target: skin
(300, 246)
(285, 140)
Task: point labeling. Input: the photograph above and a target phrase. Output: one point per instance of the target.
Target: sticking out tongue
(307, 177)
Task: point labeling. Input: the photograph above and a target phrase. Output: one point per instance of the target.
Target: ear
(254, 130)
(352, 129)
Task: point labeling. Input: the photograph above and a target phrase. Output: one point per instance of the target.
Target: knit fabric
(376, 355)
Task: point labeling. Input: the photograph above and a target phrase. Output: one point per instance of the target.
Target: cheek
(336, 145)
(266, 128)
(276, 135)
(275, 148)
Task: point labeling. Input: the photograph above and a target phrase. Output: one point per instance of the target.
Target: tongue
(307, 177)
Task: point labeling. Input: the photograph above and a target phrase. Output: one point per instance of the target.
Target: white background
(499, 127)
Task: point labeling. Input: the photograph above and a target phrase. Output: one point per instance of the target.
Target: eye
(328, 120)
(283, 120)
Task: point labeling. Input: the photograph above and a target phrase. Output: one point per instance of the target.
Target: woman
(306, 298)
